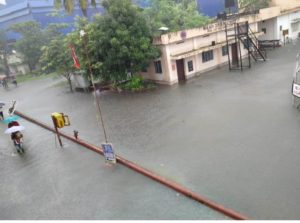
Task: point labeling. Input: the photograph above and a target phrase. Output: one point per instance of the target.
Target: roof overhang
(200, 50)
(205, 48)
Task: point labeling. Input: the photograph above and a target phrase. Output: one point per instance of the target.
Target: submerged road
(230, 136)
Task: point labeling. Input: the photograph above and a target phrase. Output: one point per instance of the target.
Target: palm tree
(69, 5)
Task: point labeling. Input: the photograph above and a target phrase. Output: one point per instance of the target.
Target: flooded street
(232, 137)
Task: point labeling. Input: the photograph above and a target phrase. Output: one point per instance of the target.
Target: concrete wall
(285, 4)
(169, 74)
(270, 27)
(290, 22)
(189, 45)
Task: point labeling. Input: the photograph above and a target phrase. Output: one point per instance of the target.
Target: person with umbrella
(16, 134)
(14, 128)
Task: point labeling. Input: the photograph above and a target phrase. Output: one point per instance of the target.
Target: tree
(69, 5)
(252, 5)
(31, 42)
(53, 30)
(4, 52)
(174, 14)
(57, 57)
(118, 42)
(33, 38)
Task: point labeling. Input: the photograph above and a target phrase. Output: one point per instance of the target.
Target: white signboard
(296, 90)
(109, 154)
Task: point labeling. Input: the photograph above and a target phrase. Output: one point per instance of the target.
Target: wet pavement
(230, 136)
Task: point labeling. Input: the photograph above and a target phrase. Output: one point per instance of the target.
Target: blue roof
(17, 11)
(211, 8)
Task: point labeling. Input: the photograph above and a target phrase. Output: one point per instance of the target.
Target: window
(207, 56)
(264, 30)
(157, 65)
(224, 50)
(190, 66)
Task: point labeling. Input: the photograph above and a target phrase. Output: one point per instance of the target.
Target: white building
(191, 52)
(285, 22)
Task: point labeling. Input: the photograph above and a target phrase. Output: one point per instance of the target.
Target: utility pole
(83, 35)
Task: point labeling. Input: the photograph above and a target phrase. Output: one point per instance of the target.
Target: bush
(136, 83)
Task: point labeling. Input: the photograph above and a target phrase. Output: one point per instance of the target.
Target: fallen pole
(145, 172)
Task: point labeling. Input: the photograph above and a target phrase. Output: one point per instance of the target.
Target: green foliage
(252, 5)
(2, 69)
(174, 14)
(4, 52)
(33, 38)
(56, 57)
(2, 39)
(31, 42)
(69, 5)
(54, 30)
(117, 42)
(136, 83)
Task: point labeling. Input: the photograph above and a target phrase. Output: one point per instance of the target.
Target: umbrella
(11, 118)
(14, 129)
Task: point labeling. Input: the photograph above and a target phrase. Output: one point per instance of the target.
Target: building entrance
(234, 53)
(180, 70)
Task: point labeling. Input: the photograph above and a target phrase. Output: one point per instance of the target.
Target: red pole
(145, 172)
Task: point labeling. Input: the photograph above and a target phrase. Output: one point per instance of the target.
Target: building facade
(188, 53)
(285, 25)
(191, 52)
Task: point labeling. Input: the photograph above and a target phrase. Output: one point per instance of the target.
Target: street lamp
(83, 35)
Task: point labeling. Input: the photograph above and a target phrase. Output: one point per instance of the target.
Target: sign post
(59, 121)
(109, 153)
(56, 130)
(296, 90)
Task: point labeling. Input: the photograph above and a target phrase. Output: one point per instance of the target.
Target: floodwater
(232, 137)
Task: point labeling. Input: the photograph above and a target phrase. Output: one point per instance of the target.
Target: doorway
(234, 53)
(180, 70)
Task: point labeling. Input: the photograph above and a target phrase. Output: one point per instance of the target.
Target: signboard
(285, 32)
(183, 35)
(296, 90)
(108, 153)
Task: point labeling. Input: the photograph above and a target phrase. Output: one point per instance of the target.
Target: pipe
(145, 172)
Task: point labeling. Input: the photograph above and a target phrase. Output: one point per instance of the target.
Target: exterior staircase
(242, 34)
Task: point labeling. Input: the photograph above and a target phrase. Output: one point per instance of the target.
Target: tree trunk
(30, 67)
(7, 70)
